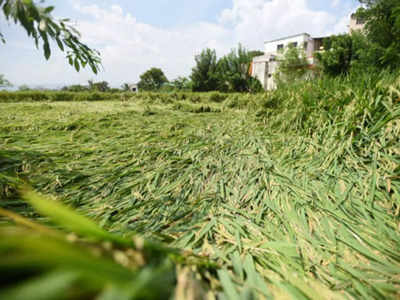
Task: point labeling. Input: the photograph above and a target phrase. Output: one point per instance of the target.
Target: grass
(293, 194)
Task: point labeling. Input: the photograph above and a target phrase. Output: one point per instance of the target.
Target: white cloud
(259, 20)
(129, 47)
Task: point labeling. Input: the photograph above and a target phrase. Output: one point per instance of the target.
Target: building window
(318, 44)
(294, 45)
(280, 47)
(305, 45)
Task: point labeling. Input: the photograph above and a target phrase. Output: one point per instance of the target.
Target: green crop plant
(289, 194)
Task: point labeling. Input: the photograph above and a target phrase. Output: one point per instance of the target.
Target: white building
(356, 23)
(134, 88)
(264, 67)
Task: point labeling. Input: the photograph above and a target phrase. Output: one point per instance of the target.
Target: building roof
(288, 37)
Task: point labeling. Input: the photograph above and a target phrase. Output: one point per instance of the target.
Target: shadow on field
(15, 167)
(34, 168)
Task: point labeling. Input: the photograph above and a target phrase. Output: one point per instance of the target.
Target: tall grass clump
(289, 194)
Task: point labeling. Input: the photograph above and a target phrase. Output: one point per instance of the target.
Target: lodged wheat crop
(291, 194)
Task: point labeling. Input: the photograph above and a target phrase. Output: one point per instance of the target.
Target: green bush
(217, 97)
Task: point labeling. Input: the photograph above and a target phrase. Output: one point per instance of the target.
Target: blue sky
(135, 35)
(166, 13)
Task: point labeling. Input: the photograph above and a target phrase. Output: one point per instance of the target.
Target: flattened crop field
(279, 212)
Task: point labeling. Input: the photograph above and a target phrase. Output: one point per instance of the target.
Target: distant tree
(125, 87)
(167, 87)
(75, 88)
(375, 48)
(181, 83)
(292, 66)
(42, 27)
(345, 53)
(338, 55)
(152, 80)
(101, 86)
(24, 88)
(233, 71)
(4, 82)
(204, 75)
(366, 54)
(382, 19)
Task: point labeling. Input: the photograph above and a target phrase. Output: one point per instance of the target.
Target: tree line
(376, 48)
(230, 73)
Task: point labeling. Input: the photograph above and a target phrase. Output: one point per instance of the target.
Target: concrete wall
(260, 69)
(264, 68)
(134, 88)
(356, 24)
(272, 46)
(272, 67)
